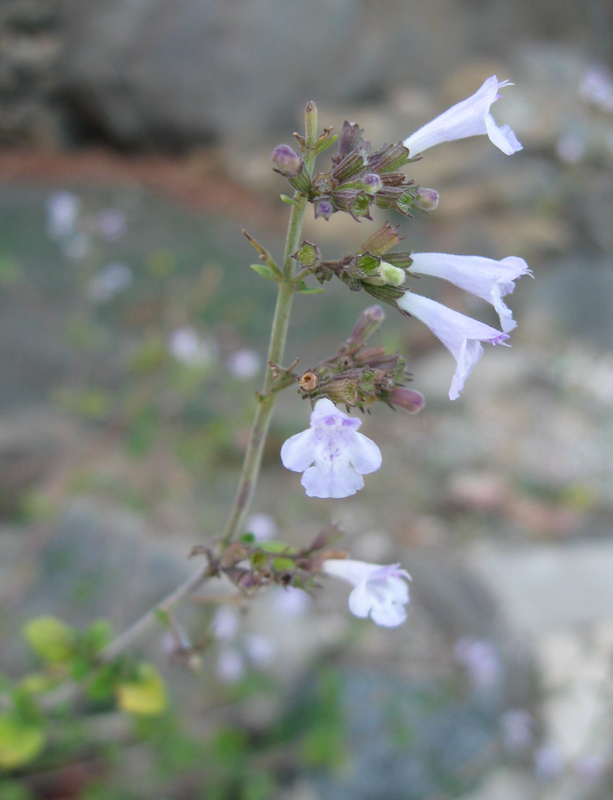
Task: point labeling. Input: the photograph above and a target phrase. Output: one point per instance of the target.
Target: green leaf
(36, 683)
(51, 638)
(282, 564)
(276, 547)
(20, 741)
(146, 695)
(248, 538)
(304, 289)
(265, 271)
(98, 635)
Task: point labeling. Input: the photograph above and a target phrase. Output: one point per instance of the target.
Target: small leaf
(36, 683)
(51, 638)
(276, 547)
(264, 271)
(248, 538)
(282, 564)
(289, 200)
(20, 741)
(146, 695)
(304, 289)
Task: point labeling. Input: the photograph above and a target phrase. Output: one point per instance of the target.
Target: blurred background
(134, 146)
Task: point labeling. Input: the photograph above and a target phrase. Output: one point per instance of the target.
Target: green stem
(261, 422)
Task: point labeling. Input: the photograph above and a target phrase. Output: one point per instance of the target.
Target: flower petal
(297, 453)
(460, 334)
(469, 117)
(364, 454)
(331, 479)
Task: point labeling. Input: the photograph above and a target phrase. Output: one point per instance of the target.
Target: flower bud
(286, 162)
(388, 276)
(427, 199)
(371, 183)
(408, 399)
(368, 322)
(323, 208)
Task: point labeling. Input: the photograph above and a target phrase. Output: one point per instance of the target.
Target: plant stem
(263, 414)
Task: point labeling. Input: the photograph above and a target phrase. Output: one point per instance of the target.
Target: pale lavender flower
(460, 334)
(260, 650)
(470, 117)
(262, 526)
(111, 280)
(381, 592)
(226, 623)
(187, 346)
(597, 87)
(590, 768)
(290, 601)
(481, 661)
(517, 730)
(231, 666)
(244, 364)
(548, 762)
(62, 214)
(111, 224)
(331, 453)
(484, 277)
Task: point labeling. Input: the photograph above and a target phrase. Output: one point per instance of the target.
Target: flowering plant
(332, 454)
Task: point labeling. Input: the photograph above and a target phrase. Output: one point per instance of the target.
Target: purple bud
(408, 399)
(367, 323)
(427, 199)
(286, 161)
(323, 208)
(372, 182)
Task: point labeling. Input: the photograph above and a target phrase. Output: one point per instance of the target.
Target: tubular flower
(332, 455)
(460, 334)
(484, 277)
(470, 117)
(381, 592)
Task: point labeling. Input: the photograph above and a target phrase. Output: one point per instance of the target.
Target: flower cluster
(357, 179)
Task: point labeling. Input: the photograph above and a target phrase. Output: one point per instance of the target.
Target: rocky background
(132, 337)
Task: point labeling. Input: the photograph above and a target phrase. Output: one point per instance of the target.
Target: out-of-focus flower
(332, 455)
(188, 347)
(571, 148)
(291, 601)
(484, 277)
(597, 87)
(110, 281)
(460, 334)
(517, 730)
(226, 623)
(481, 661)
(548, 762)
(111, 224)
(260, 650)
(262, 526)
(381, 592)
(231, 667)
(470, 117)
(590, 768)
(244, 364)
(62, 214)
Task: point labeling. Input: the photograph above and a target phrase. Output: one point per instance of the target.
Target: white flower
(470, 117)
(380, 592)
(62, 214)
(460, 334)
(484, 277)
(331, 453)
(244, 364)
(262, 526)
(111, 280)
(188, 347)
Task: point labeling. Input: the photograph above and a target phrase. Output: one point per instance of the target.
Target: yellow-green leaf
(146, 695)
(52, 639)
(20, 742)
